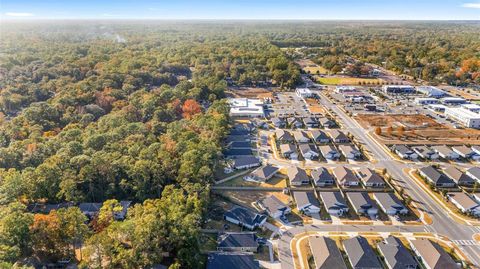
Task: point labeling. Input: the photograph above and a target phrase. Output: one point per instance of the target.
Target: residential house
(278, 122)
(235, 153)
(122, 214)
(396, 255)
(432, 255)
(325, 252)
(238, 242)
(463, 151)
(232, 260)
(390, 204)
(436, 178)
(283, 136)
(338, 136)
(301, 137)
(334, 203)
(360, 254)
(350, 152)
(404, 152)
(273, 206)
(465, 203)
(362, 204)
(306, 202)
(294, 122)
(42, 208)
(476, 149)
(321, 177)
(245, 217)
(329, 152)
(246, 162)
(459, 177)
(289, 151)
(345, 177)
(262, 174)
(240, 145)
(297, 176)
(319, 136)
(474, 172)
(326, 122)
(309, 152)
(90, 209)
(445, 152)
(370, 178)
(311, 122)
(425, 153)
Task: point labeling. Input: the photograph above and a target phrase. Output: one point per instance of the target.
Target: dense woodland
(103, 112)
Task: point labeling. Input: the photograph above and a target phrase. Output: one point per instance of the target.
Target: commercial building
(304, 92)
(430, 91)
(426, 101)
(245, 107)
(452, 101)
(398, 89)
(472, 107)
(464, 116)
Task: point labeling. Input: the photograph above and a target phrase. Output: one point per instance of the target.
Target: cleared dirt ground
(250, 92)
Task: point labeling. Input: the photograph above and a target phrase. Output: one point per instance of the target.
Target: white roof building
(472, 107)
(304, 92)
(453, 101)
(431, 91)
(245, 107)
(464, 116)
(426, 100)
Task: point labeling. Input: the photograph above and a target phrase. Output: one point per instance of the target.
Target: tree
(400, 131)
(15, 237)
(191, 108)
(378, 131)
(389, 131)
(107, 213)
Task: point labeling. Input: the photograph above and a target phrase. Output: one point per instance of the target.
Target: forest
(112, 111)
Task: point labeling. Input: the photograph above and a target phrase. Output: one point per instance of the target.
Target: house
(476, 149)
(122, 214)
(311, 122)
(460, 178)
(232, 260)
(436, 178)
(404, 152)
(329, 152)
(309, 152)
(289, 151)
(350, 152)
(234, 153)
(370, 178)
(240, 129)
(334, 203)
(90, 209)
(301, 137)
(390, 204)
(321, 177)
(326, 122)
(319, 136)
(345, 177)
(325, 252)
(474, 173)
(258, 123)
(463, 151)
(240, 145)
(360, 254)
(273, 206)
(278, 122)
(425, 153)
(262, 174)
(338, 136)
(238, 242)
(297, 176)
(306, 202)
(476, 196)
(245, 217)
(246, 162)
(283, 136)
(362, 204)
(432, 255)
(445, 152)
(395, 255)
(42, 208)
(294, 122)
(464, 203)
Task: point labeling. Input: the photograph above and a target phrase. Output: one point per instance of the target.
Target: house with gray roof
(362, 204)
(90, 209)
(345, 177)
(445, 152)
(474, 172)
(283, 136)
(294, 122)
(289, 151)
(311, 122)
(436, 178)
(338, 136)
(404, 152)
(232, 260)
(274, 207)
(334, 203)
(390, 204)
(432, 255)
(326, 122)
(425, 152)
(329, 152)
(297, 176)
(370, 178)
(325, 252)
(263, 173)
(319, 136)
(278, 122)
(246, 162)
(463, 151)
(301, 137)
(306, 202)
(238, 241)
(350, 152)
(396, 255)
(360, 254)
(245, 217)
(464, 203)
(321, 177)
(459, 177)
(309, 152)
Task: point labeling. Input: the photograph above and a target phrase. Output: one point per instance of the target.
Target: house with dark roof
(321, 177)
(246, 162)
(319, 136)
(289, 151)
(350, 152)
(42, 208)
(238, 241)
(297, 176)
(90, 209)
(326, 122)
(122, 214)
(294, 122)
(390, 204)
(306, 202)
(404, 152)
(396, 255)
(325, 252)
(235, 153)
(329, 152)
(432, 255)
(232, 260)
(309, 152)
(245, 217)
(338, 136)
(283, 136)
(360, 254)
(345, 177)
(460, 178)
(425, 152)
(362, 204)
(436, 178)
(301, 137)
(445, 152)
(278, 122)
(311, 122)
(240, 145)
(334, 203)
(474, 172)
(273, 206)
(464, 203)
(370, 178)
(263, 173)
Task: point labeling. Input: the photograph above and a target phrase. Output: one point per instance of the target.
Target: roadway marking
(465, 242)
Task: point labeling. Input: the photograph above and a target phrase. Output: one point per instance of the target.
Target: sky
(242, 9)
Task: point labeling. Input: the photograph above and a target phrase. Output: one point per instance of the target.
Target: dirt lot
(249, 92)
(314, 107)
(463, 94)
(248, 198)
(310, 67)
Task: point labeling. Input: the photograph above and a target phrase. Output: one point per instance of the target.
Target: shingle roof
(395, 254)
(231, 261)
(272, 204)
(321, 175)
(360, 200)
(265, 172)
(296, 174)
(246, 160)
(305, 148)
(367, 175)
(475, 171)
(434, 175)
(236, 240)
(456, 175)
(463, 199)
(344, 174)
(360, 254)
(283, 135)
(433, 255)
(326, 253)
(319, 135)
(333, 200)
(303, 198)
(245, 216)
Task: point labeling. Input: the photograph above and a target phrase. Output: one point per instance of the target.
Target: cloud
(471, 5)
(18, 14)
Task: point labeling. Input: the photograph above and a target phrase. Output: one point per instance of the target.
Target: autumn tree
(378, 131)
(191, 108)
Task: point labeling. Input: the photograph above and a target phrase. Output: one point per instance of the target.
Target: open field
(310, 67)
(464, 94)
(347, 81)
(250, 92)
(314, 107)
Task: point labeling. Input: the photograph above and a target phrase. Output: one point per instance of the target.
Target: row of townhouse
(436, 152)
(450, 176)
(307, 122)
(318, 136)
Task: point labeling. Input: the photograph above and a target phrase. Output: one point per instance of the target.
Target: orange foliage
(191, 108)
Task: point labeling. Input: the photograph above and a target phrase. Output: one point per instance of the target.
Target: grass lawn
(347, 80)
(316, 69)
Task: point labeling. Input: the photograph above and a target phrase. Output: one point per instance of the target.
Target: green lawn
(340, 80)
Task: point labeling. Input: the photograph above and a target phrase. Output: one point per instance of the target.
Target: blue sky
(242, 9)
